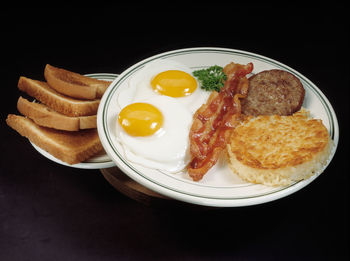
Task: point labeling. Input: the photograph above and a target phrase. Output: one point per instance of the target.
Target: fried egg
(156, 115)
(154, 133)
(168, 78)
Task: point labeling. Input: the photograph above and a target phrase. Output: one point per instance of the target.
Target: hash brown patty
(277, 150)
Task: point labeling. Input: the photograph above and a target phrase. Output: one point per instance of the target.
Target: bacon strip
(214, 120)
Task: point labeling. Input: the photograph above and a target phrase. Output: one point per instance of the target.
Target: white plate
(219, 187)
(97, 162)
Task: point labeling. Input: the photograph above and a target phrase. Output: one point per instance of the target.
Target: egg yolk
(174, 83)
(140, 119)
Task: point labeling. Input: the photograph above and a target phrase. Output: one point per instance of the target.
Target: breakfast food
(159, 139)
(155, 115)
(278, 150)
(73, 84)
(69, 146)
(47, 117)
(214, 120)
(57, 101)
(273, 92)
(62, 125)
(144, 85)
(166, 123)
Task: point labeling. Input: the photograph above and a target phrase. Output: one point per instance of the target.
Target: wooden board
(132, 189)
(136, 191)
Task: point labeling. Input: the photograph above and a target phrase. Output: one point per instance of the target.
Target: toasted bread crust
(45, 116)
(87, 122)
(70, 147)
(56, 101)
(273, 92)
(74, 84)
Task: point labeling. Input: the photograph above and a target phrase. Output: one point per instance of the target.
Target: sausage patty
(273, 92)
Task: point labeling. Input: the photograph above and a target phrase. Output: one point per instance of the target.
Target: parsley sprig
(212, 78)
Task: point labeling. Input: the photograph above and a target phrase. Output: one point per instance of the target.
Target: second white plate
(97, 162)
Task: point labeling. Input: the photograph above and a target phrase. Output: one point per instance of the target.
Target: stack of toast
(62, 118)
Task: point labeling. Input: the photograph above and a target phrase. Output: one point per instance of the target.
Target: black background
(53, 212)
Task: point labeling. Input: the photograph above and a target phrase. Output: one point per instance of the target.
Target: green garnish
(212, 78)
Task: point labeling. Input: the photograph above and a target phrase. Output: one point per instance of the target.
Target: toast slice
(71, 147)
(56, 101)
(87, 122)
(45, 116)
(73, 84)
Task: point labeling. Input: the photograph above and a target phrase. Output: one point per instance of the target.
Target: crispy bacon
(214, 120)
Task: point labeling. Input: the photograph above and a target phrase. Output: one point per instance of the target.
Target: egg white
(166, 150)
(140, 85)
